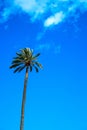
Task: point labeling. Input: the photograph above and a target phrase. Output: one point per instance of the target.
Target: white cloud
(59, 9)
(32, 7)
(26, 5)
(55, 19)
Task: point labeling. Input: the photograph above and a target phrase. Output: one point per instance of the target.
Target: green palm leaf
(21, 68)
(17, 69)
(14, 65)
(38, 64)
(35, 57)
(30, 68)
(37, 70)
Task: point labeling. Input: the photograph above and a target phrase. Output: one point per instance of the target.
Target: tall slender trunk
(23, 100)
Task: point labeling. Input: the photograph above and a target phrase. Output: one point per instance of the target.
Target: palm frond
(30, 68)
(19, 57)
(21, 68)
(14, 65)
(38, 64)
(37, 70)
(17, 69)
(35, 57)
(17, 61)
(19, 54)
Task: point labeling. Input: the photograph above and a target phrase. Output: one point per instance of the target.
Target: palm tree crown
(25, 59)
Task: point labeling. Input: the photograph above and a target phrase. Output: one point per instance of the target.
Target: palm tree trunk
(23, 100)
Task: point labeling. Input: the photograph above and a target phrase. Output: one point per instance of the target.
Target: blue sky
(57, 95)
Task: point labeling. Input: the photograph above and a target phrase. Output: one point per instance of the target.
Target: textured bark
(23, 100)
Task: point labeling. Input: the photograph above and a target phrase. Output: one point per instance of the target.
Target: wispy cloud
(53, 12)
(55, 48)
(43, 47)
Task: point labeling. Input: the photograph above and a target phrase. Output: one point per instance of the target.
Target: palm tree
(25, 59)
